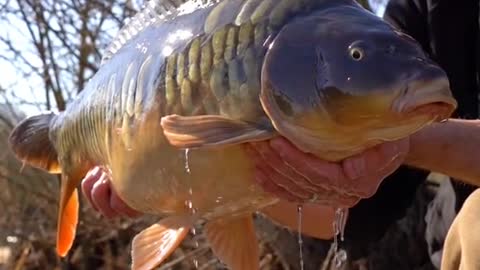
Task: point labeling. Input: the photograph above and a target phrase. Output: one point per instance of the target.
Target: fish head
(343, 80)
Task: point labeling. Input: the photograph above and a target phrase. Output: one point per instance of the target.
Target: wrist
(449, 148)
(417, 151)
(430, 145)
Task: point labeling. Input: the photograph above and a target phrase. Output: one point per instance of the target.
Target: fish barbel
(209, 76)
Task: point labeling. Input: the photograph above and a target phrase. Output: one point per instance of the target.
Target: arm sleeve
(411, 17)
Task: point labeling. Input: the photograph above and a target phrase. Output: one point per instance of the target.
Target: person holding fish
(388, 187)
(335, 81)
(386, 195)
(449, 32)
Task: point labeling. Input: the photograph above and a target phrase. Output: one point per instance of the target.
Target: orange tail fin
(67, 213)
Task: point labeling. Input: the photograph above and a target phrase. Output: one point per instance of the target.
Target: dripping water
(299, 230)
(340, 255)
(190, 203)
(187, 163)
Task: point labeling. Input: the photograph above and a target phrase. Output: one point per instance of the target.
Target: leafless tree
(62, 41)
(57, 43)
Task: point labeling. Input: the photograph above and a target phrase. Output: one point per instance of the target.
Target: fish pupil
(356, 54)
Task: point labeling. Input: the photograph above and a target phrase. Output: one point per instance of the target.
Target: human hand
(287, 172)
(97, 189)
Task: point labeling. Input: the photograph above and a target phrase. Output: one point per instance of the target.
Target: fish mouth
(437, 110)
(421, 103)
(432, 99)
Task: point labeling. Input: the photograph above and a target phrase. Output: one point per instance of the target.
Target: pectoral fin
(67, 213)
(210, 130)
(153, 245)
(234, 242)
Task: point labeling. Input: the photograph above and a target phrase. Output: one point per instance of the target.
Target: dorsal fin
(153, 12)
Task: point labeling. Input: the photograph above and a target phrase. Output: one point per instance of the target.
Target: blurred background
(48, 51)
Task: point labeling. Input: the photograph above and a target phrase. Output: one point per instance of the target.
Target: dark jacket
(449, 32)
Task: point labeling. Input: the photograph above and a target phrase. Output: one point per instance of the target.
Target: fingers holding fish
(87, 184)
(368, 169)
(359, 175)
(101, 192)
(317, 171)
(375, 159)
(291, 174)
(276, 185)
(314, 174)
(285, 176)
(97, 189)
(284, 181)
(269, 186)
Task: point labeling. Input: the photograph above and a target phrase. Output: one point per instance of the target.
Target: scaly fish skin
(329, 76)
(209, 66)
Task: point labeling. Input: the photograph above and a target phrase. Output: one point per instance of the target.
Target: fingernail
(92, 172)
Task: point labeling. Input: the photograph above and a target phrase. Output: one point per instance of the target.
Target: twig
(23, 257)
(209, 263)
(195, 252)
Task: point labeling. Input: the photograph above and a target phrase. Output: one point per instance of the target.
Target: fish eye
(356, 53)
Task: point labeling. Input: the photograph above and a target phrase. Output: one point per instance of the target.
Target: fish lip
(420, 97)
(438, 109)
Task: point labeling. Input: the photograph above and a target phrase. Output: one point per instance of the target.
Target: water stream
(340, 255)
(190, 203)
(299, 230)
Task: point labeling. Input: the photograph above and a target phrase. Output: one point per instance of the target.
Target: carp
(186, 83)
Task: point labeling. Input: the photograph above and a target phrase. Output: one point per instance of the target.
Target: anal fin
(210, 131)
(154, 244)
(234, 242)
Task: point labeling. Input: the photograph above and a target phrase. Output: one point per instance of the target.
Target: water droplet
(187, 164)
(340, 258)
(194, 233)
(340, 255)
(299, 230)
(190, 203)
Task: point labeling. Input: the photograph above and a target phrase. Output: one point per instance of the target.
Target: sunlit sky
(25, 88)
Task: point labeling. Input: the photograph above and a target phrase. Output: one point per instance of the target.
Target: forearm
(451, 148)
(316, 222)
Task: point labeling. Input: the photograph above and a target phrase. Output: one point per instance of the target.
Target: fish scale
(223, 66)
(218, 68)
(212, 77)
(194, 82)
